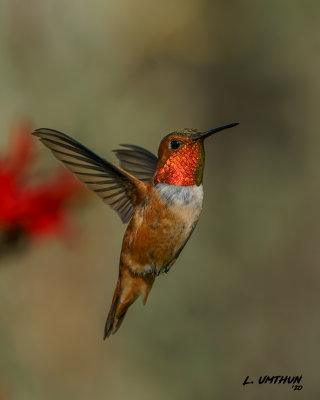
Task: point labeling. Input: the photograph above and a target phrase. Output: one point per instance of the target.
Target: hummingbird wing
(118, 188)
(137, 161)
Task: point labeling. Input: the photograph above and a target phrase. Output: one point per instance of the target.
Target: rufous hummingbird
(160, 197)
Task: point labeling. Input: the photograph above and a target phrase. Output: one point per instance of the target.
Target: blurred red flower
(27, 208)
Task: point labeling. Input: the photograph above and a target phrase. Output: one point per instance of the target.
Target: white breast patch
(181, 195)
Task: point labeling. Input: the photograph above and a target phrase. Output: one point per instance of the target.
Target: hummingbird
(159, 197)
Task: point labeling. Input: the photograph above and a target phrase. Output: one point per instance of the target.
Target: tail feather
(128, 289)
(111, 316)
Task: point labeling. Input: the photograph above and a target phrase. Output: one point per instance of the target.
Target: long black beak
(203, 135)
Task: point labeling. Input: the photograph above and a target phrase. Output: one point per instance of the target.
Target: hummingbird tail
(129, 288)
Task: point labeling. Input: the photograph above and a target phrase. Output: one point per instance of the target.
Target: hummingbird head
(181, 156)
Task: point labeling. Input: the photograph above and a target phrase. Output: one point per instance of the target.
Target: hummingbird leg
(145, 271)
(155, 271)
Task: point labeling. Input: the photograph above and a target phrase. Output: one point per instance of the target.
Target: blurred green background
(243, 297)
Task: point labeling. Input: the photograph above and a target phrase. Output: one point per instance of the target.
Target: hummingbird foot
(161, 271)
(149, 270)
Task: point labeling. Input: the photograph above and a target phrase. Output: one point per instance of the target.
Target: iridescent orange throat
(184, 167)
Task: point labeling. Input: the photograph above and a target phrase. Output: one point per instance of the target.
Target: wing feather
(117, 187)
(137, 161)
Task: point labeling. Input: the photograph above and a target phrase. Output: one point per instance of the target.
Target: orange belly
(157, 233)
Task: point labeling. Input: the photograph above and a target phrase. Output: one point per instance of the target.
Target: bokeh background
(243, 298)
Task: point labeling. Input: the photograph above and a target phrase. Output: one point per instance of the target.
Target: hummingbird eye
(174, 144)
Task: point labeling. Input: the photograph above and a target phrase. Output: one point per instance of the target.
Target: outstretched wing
(116, 187)
(137, 161)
